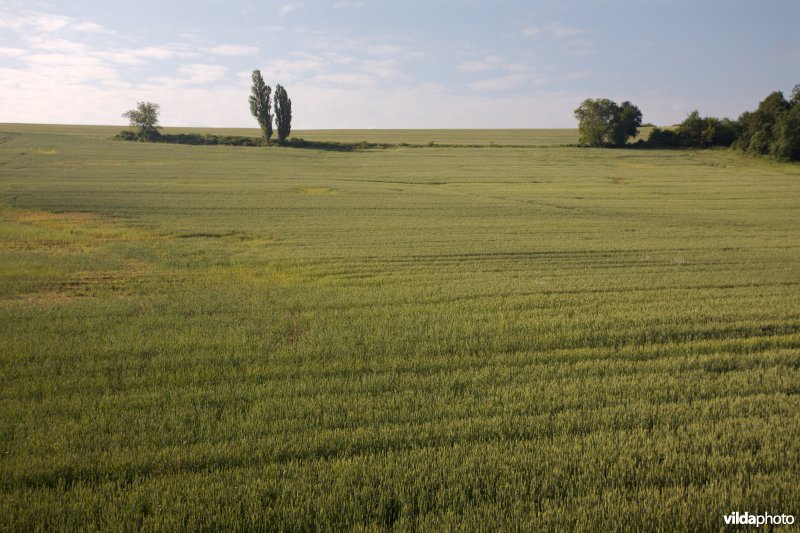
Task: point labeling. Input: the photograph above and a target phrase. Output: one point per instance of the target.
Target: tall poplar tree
(283, 113)
(260, 104)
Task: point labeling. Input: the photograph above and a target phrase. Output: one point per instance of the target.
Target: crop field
(518, 335)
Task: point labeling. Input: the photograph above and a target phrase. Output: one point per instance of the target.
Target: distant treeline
(192, 138)
(773, 129)
(293, 142)
(239, 140)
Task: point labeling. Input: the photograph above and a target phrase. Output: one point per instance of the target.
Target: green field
(513, 337)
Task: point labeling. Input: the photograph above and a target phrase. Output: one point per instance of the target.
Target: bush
(195, 139)
(665, 139)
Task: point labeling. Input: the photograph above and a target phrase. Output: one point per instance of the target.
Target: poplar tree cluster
(261, 108)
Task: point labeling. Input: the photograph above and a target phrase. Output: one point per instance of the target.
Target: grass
(522, 137)
(503, 337)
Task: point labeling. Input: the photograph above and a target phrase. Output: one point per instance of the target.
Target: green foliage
(283, 113)
(260, 104)
(486, 338)
(595, 121)
(626, 123)
(701, 132)
(603, 122)
(795, 98)
(772, 128)
(145, 117)
(693, 130)
(198, 139)
(787, 146)
(662, 138)
(127, 135)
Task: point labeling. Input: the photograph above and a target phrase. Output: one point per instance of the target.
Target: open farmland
(530, 336)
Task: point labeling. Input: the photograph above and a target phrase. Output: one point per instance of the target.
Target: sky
(392, 64)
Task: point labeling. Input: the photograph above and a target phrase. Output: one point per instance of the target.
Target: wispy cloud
(202, 73)
(345, 79)
(507, 82)
(33, 21)
(386, 69)
(288, 8)
(348, 5)
(384, 49)
(298, 66)
(581, 47)
(12, 52)
(478, 65)
(161, 52)
(560, 31)
(233, 50)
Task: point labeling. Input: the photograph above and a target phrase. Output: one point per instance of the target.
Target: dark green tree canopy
(260, 105)
(603, 122)
(283, 113)
(626, 123)
(699, 131)
(773, 128)
(144, 117)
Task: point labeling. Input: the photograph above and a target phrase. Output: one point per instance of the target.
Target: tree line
(773, 129)
(145, 118)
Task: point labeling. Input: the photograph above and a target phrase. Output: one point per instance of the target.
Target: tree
(594, 121)
(787, 146)
(283, 113)
(145, 118)
(693, 129)
(603, 122)
(626, 123)
(795, 99)
(763, 123)
(664, 139)
(260, 104)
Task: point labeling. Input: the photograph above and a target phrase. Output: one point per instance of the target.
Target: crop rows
(533, 337)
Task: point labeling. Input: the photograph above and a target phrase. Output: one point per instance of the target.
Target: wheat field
(513, 334)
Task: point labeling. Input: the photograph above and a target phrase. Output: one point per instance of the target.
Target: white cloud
(12, 52)
(516, 67)
(554, 29)
(233, 50)
(478, 65)
(500, 83)
(72, 68)
(341, 59)
(89, 27)
(202, 73)
(560, 30)
(346, 79)
(58, 45)
(32, 21)
(288, 8)
(47, 23)
(298, 67)
(384, 49)
(385, 69)
(161, 52)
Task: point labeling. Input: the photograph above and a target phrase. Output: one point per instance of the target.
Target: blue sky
(392, 64)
